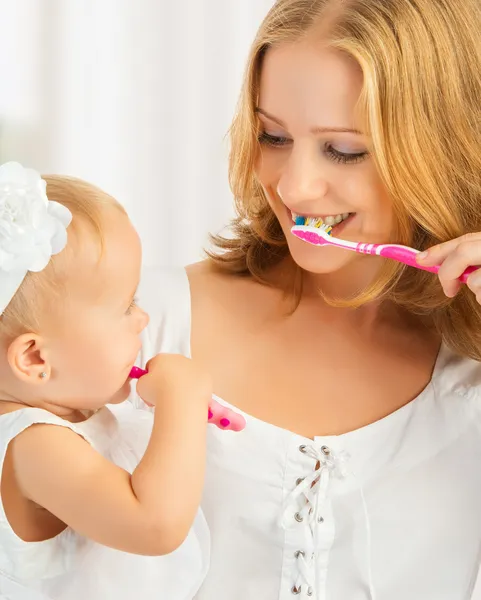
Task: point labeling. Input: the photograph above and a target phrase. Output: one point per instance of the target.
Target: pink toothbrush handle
(402, 254)
(221, 416)
(137, 372)
(405, 255)
(225, 418)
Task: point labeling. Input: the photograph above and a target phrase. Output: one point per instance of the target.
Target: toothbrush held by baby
(221, 416)
(318, 233)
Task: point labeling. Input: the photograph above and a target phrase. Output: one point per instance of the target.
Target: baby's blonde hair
(421, 64)
(87, 203)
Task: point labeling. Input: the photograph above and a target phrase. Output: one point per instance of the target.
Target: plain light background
(135, 96)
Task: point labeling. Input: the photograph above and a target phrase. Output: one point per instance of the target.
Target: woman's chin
(320, 260)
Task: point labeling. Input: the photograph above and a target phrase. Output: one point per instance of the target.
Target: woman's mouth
(334, 221)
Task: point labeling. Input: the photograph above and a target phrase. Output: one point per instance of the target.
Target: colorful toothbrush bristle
(315, 222)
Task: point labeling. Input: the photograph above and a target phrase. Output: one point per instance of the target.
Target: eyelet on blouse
(298, 517)
(325, 450)
(295, 590)
(303, 448)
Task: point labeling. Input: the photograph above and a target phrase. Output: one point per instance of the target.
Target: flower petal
(32, 228)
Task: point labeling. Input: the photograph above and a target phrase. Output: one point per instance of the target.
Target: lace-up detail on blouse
(308, 505)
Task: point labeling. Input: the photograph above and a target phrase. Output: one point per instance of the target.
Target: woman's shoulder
(166, 294)
(208, 282)
(204, 275)
(213, 287)
(458, 376)
(165, 283)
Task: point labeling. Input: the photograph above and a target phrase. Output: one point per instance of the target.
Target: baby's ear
(28, 358)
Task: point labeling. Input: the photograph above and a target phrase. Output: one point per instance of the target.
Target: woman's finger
(465, 254)
(436, 255)
(474, 284)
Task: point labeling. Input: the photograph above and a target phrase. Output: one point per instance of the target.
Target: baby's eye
(132, 305)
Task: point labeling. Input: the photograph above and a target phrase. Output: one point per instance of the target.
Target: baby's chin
(121, 395)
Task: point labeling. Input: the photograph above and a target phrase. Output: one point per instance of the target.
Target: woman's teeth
(330, 220)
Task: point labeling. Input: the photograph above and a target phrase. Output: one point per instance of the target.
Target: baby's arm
(149, 512)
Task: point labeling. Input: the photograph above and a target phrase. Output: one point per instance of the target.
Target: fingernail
(225, 422)
(211, 414)
(422, 255)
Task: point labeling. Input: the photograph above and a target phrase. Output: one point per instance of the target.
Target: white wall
(135, 96)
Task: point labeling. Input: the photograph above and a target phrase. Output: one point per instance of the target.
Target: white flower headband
(32, 229)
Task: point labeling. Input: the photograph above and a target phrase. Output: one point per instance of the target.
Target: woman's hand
(455, 256)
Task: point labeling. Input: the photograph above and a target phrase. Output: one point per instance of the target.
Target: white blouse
(394, 513)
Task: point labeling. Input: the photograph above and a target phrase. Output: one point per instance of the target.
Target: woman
(358, 474)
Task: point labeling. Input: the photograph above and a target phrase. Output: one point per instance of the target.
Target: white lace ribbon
(308, 498)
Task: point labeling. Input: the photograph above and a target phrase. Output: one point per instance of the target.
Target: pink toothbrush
(219, 415)
(320, 236)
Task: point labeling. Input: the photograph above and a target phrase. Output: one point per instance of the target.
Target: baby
(84, 493)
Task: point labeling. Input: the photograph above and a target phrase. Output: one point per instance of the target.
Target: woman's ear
(27, 357)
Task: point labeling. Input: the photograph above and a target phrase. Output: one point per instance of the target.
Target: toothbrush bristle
(317, 223)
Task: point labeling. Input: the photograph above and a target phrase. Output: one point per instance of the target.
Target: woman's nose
(302, 181)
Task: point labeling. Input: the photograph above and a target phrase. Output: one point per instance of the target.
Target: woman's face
(314, 160)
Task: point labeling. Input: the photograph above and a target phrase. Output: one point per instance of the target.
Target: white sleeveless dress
(70, 567)
(395, 515)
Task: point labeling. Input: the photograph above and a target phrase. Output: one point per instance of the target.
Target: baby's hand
(165, 370)
(173, 377)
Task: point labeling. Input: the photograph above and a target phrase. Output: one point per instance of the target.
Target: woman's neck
(341, 285)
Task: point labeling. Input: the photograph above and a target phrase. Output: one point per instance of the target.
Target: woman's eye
(273, 140)
(339, 156)
(333, 153)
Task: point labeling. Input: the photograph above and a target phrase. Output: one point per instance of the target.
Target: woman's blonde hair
(421, 98)
(87, 204)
